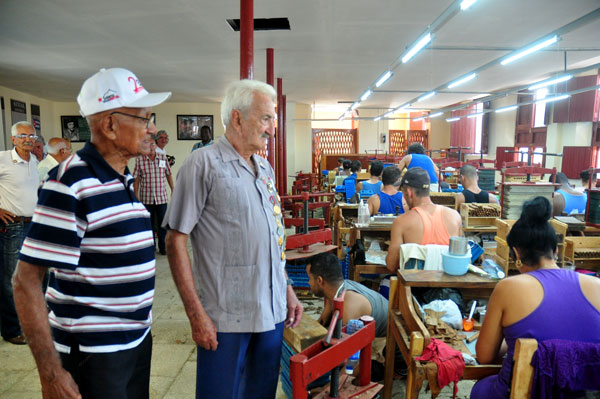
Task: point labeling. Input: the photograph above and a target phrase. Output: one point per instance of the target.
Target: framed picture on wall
(75, 128)
(191, 127)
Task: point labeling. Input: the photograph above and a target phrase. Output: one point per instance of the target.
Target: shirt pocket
(229, 199)
(237, 290)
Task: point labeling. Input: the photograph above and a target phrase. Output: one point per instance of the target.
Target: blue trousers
(244, 366)
(11, 240)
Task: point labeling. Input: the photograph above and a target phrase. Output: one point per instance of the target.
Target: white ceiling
(334, 51)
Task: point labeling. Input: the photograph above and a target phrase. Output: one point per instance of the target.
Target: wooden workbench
(314, 249)
(406, 329)
(381, 230)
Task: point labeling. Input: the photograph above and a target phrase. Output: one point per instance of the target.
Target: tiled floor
(173, 357)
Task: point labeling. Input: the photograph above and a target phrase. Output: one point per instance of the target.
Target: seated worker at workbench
(416, 158)
(389, 199)
(374, 183)
(585, 181)
(567, 201)
(425, 223)
(346, 164)
(355, 167)
(544, 302)
(326, 280)
(471, 191)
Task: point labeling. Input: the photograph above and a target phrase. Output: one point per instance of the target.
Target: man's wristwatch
(290, 281)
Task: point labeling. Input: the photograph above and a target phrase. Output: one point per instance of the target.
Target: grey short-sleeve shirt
(235, 225)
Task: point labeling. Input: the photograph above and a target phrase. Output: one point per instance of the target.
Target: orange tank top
(434, 228)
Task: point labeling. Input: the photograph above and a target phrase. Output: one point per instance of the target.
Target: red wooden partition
(332, 141)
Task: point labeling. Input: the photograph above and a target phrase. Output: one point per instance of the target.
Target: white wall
(501, 126)
(566, 134)
(439, 133)
(298, 140)
(166, 119)
(47, 114)
(369, 131)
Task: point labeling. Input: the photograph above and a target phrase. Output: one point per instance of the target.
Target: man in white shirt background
(19, 182)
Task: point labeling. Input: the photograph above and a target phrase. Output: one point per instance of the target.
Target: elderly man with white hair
(236, 292)
(18, 195)
(58, 150)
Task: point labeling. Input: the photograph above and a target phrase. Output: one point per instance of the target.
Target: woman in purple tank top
(543, 302)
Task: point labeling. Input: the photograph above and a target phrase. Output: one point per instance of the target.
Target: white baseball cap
(115, 88)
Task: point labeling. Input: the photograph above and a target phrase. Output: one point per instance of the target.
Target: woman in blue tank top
(416, 157)
(543, 302)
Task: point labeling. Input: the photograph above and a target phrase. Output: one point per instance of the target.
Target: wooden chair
(407, 331)
(523, 371)
(522, 377)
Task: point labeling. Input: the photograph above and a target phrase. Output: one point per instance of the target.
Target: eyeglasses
(26, 136)
(149, 121)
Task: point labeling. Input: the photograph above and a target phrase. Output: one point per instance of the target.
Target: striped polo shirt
(95, 236)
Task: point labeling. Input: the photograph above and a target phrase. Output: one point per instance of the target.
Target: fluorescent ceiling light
(401, 108)
(388, 113)
(344, 115)
(506, 109)
(462, 80)
(475, 115)
(452, 119)
(377, 118)
(366, 95)
(528, 50)
(550, 82)
(435, 115)
(420, 118)
(329, 108)
(416, 48)
(552, 99)
(383, 78)
(355, 105)
(466, 4)
(426, 96)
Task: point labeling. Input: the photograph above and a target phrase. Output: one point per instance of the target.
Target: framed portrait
(75, 128)
(192, 127)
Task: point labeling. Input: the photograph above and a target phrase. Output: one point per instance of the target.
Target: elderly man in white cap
(95, 236)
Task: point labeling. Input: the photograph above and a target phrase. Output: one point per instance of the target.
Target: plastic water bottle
(363, 213)
(353, 326)
(492, 268)
(352, 362)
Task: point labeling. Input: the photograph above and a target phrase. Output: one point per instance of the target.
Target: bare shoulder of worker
(493, 199)
(404, 162)
(355, 306)
(453, 221)
(373, 202)
(401, 224)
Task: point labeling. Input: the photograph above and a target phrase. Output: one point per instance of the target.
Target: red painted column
(271, 81)
(284, 140)
(279, 137)
(246, 39)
